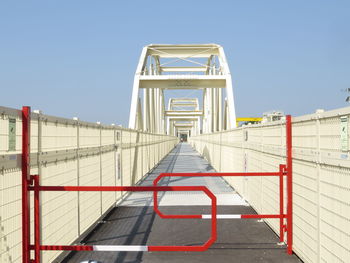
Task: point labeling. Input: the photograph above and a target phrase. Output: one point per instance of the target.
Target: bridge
(182, 183)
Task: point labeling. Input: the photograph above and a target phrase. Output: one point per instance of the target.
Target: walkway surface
(133, 222)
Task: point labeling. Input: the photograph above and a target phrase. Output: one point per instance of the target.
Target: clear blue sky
(78, 58)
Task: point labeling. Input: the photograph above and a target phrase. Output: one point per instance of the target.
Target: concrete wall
(321, 178)
(69, 152)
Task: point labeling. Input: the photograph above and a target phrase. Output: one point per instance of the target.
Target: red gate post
(36, 219)
(289, 185)
(25, 184)
(281, 172)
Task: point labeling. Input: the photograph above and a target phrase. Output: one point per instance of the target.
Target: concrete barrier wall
(321, 178)
(69, 152)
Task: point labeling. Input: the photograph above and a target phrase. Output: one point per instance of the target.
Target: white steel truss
(183, 116)
(182, 67)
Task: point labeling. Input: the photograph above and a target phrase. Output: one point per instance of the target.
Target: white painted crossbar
(119, 248)
(227, 216)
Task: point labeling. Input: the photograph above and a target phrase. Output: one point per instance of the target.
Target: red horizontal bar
(119, 188)
(221, 174)
(72, 248)
(182, 216)
(204, 247)
(150, 248)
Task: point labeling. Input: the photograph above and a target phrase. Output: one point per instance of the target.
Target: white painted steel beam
(189, 67)
(183, 69)
(183, 113)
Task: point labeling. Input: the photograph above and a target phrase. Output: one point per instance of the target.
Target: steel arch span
(200, 67)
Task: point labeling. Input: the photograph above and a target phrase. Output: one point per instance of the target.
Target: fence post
(121, 161)
(25, 184)
(37, 226)
(115, 149)
(37, 195)
(289, 185)
(78, 170)
(100, 168)
(318, 173)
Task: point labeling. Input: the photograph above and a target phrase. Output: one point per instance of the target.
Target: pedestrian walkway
(134, 222)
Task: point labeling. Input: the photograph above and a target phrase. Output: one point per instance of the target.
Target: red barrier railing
(32, 183)
(284, 170)
(37, 244)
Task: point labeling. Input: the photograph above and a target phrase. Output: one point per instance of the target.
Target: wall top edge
(6, 111)
(323, 115)
(10, 112)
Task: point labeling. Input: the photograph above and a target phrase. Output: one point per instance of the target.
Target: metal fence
(321, 177)
(69, 152)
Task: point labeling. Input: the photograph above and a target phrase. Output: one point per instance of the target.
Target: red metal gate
(37, 243)
(284, 170)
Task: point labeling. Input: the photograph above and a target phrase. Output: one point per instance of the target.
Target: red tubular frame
(36, 219)
(37, 188)
(284, 170)
(25, 183)
(162, 175)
